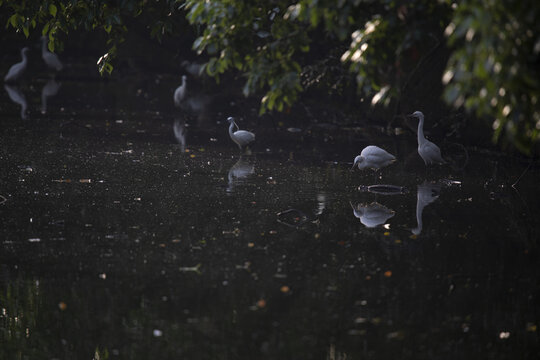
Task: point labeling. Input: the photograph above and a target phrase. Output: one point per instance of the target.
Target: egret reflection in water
(426, 194)
(372, 215)
(50, 89)
(243, 168)
(180, 132)
(17, 97)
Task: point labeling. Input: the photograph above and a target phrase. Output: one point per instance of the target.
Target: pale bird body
(428, 151)
(180, 92)
(242, 138)
(373, 157)
(51, 59)
(17, 70)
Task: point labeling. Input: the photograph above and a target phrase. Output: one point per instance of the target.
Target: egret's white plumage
(373, 157)
(17, 70)
(428, 151)
(241, 137)
(180, 92)
(51, 59)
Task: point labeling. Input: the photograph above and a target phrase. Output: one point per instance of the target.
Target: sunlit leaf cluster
(494, 68)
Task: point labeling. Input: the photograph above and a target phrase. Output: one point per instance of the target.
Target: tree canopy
(284, 47)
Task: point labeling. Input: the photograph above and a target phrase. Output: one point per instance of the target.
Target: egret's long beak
(353, 165)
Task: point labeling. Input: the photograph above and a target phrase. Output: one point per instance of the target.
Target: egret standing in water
(241, 137)
(180, 92)
(373, 157)
(17, 70)
(428, 151)
(51, 59)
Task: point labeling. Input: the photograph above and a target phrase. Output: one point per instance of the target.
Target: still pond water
(134, 230)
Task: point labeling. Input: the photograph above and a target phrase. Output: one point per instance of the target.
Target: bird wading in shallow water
(428, 151)
(241, 137)
(17, 70)
(373, 157)
(180, 92)
(50, 58)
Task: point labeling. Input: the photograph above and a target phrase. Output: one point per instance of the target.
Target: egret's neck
(231, 128)
(24, 58)
(421, 137)
(43, 46)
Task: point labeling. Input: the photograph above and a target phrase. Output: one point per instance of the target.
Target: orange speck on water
(62, 305)
(261, 303)
(368, 277)
(386, 233)
(284, 289)
(388, 273)
(251, 244)
(192, 156)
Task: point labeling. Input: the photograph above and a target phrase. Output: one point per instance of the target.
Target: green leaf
(53, 10)
(26, 31)
(13, 20)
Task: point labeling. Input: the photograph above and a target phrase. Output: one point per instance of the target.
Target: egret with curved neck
(428, 151)
(16, 71)
(51, 59)
(180, 92)
(242, 138)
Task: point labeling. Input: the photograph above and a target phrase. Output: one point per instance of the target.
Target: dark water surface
(133, 230)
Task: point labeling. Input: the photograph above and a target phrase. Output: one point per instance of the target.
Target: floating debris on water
(383, 189)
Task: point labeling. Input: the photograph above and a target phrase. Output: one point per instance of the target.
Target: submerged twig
(302, 215)
(3, 199)
(523, 173)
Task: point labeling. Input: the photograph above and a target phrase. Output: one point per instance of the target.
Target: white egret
(372, 215)
(51, 59)
(180, 92)
(373, 157)
(17, 70)
(428, 151)
(241, 137)
(426, 194)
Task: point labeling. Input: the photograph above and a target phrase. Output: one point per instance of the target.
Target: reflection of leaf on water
(383, 189)
(196, 268)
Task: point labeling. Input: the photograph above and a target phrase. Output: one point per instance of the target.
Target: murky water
(134, 230)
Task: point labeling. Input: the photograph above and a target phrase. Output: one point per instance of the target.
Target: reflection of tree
(20, 305)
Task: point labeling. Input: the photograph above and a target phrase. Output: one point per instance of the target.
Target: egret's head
(417, 114)
(25, 50)
(230, 119)
(358, 161)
